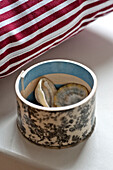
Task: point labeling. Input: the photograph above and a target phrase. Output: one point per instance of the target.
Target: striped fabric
(29, 28)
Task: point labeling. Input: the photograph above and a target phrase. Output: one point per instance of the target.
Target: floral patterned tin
(56, 127)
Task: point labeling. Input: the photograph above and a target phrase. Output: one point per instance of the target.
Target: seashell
(70, 94)
(44, 92)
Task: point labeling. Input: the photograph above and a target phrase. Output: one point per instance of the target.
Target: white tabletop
(94, 48)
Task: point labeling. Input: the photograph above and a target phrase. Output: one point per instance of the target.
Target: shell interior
(70, 94)
(44, 92)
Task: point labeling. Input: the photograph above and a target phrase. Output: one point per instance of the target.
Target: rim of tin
(93, 90)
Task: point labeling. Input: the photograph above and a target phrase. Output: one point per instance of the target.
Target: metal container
(56, 127)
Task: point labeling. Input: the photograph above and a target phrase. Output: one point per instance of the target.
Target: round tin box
(56, 127)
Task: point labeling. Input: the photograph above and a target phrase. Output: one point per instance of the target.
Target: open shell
(70, 94)
(44, 92)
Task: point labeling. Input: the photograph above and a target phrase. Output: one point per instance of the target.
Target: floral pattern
(56, 129)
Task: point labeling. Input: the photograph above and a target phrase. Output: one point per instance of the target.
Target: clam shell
(44, 92)
(70, 94)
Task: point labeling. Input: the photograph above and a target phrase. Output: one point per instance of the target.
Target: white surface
(94, 48)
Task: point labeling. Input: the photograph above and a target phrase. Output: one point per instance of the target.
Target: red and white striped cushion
(31, 27)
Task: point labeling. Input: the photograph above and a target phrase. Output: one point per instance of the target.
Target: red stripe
(42, 23)
(35, 56)
(33, 28)
(36, 26)
(11, 70)
(18, 58)
(5, 3)
(100, 15)
(47, 32)
(27, 54)
(17, 10)
(29, 17)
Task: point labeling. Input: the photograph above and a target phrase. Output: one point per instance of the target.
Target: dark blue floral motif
(32, 112)
(83, 119)
(70, 113)
(56, 131)
(49, 131)
(85, 134)
(19, 119)
(53, 134)
(35, 129)
(25, 107)
(71, 121)
(64, 120)
(72, 129)
(76, 138)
